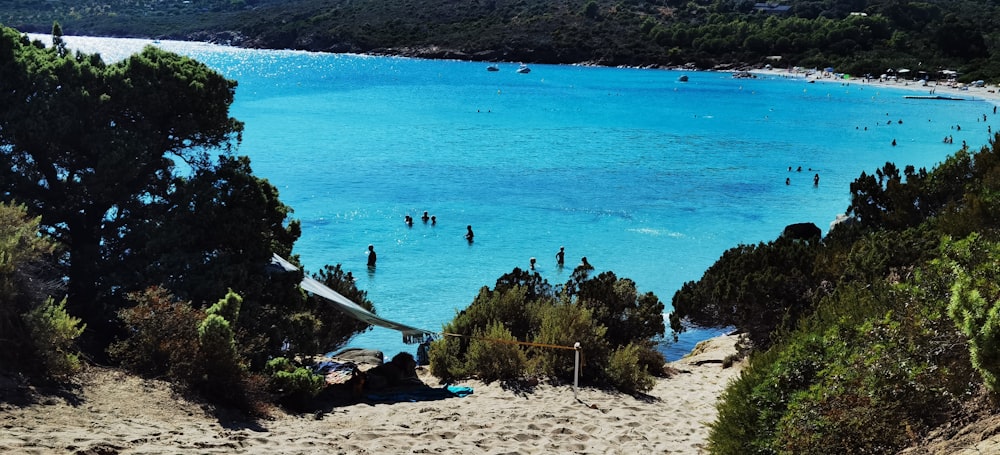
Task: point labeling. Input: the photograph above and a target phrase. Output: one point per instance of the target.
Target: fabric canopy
(410, 334)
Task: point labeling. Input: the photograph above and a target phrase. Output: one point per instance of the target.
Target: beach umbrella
(904, 70)
(829, 69)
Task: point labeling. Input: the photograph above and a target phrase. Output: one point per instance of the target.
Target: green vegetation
(95, 208)
(614, 324)
(32, 325)
(866, 340)
(862, 342)
(857, 36)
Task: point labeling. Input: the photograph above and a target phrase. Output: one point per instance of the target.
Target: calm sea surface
(646, 176)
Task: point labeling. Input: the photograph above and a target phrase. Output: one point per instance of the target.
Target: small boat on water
(523, 69)
(492, 68)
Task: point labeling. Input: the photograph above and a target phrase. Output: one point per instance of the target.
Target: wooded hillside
(854, 36)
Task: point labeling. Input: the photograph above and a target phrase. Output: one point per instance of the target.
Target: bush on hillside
(975, 303)
(627, 372)
(163, 336)
(876, 364)
(26, 282)
(524, 308)
(495, 355)
(53, 332)
(198, 349)
(293, 384)
(757, 289)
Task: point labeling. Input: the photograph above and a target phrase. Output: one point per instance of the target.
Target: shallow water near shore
(646, 176)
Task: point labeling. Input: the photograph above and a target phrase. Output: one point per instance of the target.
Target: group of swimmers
(788, 180)
(425, 218)
(561, 261)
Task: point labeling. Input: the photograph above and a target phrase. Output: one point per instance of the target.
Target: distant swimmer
(586, 265)
(561, 256)
(434, 220)
(408, 220)
(371, 255)
(893, 142)
(468, 234)
(425, 217)
(532, 263)
(788, 181)
(816, 180)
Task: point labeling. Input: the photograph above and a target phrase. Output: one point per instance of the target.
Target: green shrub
(494, 355)
(221, 363)
(163, 336)
(586, 310)
(625, 372)
(445, 355)
(565, 324)
(23, 275)
(975, 306)
(293, 383)
(53, 332)
(874, 366)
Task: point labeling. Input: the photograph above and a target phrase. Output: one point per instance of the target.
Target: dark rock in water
(802, 231)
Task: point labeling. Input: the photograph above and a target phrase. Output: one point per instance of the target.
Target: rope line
(523, 343)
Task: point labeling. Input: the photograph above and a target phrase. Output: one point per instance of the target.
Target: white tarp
(410, 334)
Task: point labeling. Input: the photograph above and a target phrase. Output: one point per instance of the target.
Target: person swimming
(532, 263)
(561, 256)
(469, 235)
(425, 217)
(371, 256)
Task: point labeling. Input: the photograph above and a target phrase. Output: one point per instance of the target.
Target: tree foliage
(84, 144)
(130, 169)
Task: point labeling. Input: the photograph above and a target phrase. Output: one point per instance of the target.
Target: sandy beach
(989, 93)
(109, 412)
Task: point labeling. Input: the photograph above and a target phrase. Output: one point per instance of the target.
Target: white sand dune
(114, 413)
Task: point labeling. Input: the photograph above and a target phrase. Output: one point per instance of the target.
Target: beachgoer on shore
(371, 255)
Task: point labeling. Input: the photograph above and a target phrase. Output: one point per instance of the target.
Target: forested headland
(855, 36)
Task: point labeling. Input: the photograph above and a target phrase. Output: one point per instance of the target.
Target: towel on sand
(420, 394)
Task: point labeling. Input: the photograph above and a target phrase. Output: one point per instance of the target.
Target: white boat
(523, 69)
(492, 68)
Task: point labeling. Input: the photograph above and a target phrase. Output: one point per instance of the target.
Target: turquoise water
(645, 176)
